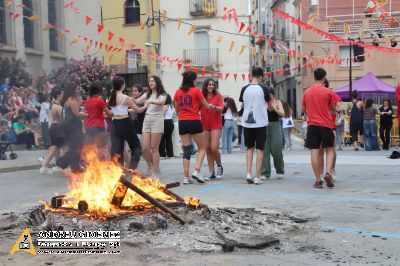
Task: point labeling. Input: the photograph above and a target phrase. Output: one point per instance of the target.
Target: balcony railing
(201, 57)
(196, 8)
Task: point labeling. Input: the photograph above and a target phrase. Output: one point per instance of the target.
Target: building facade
(138, 22)
(331, 16)
(209, 46)
(46, 50)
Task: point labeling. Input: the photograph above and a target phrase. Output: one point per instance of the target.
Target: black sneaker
(210, 177)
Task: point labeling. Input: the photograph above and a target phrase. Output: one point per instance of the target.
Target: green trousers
(273, 146)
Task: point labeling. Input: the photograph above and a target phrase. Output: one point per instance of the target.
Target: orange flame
(97, 186)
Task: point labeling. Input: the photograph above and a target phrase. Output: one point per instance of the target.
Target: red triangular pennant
(243, 76)
(235, 76)
(110, 35)
(122, 41)
(180, 66)
(70, 4)
(101, 45)
(249, 76)
(195, 70)
(242, 25)
(99, 28)
(88, 20)
(220, 76)
(227, 76)
(203, 72)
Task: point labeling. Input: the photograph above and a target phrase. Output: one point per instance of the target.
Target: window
(132, 12)
(52, 11)
(3, 28)
(29, 30)
(133, 60)
(344, 54)
(314, 2)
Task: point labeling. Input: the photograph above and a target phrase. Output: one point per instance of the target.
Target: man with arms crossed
(318, 103)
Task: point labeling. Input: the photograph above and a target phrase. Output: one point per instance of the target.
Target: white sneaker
(56, 169)
(263, 178)
(197, 175)
(45, 170)
(187, 181)
(41, 159)
(333, 174)
(280, 176)
(249, 179)
(258, 181)
(220, 172)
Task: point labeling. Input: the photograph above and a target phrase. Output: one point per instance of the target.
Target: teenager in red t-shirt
(211, 120)
(94, 124)
(318, 103)
(188, 100)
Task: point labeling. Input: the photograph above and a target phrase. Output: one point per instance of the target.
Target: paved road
(358, 220)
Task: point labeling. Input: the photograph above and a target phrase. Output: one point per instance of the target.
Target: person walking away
(240, 129)
(44, 116)
(94, 124)
(318, 102)
(166, 145)
(370, 127)
(229, 126)
(122, 127)
(340, 121)
(211, 121)
(153, 124)
(304, 128)
(56, 132)
(72, 128)
(273, 142)
(355, 109)
(287, 125)
(386, 123)
(255, 121)
(188, 100)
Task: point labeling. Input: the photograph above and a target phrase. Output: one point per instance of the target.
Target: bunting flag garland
(88, 20)
(75, 40)
(235, 76)
(242, 49)
(332, 36)
(232, 45)
(48, 27)
(242, 25)
(34, 18)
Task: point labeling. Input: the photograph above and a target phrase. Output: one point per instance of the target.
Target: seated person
(24, 134)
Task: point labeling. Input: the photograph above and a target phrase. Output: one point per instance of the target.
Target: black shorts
(255, 137)
(354, 132)
(190, 127)
(320, 137)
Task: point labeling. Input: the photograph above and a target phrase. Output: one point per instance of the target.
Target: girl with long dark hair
(211, 121)
(230, 114)
(56, 134)
(287, 125)
(386, 123)
(153, 124)
(188, 99)
(72, 127)
(122, 128)
(166, 146)
(370, 128)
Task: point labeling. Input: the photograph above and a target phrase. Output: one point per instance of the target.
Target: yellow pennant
(346, 28)
(192, 29)
(283, 57)
(232, 45)
(179, 23)
(34, 18)
(242, 49)
(110, 58)
(122, 62)
(24, 243)
(254, 52)
(143, 26)
(60, 36)
(73, 41)
(87, 48)
(165, 15)
(21, 5)
(273, 57)
(219, 39)
(48, 27)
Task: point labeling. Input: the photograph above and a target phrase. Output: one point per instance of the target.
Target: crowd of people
(131, 123)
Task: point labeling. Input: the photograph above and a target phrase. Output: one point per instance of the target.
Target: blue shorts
(93, 131)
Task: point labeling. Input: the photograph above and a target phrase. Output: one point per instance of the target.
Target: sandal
(329, 180)
(318, 184)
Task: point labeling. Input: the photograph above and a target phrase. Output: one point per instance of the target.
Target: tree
(14, 69)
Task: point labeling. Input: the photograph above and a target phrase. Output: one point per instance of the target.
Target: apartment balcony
(206, 8)
(201, 57)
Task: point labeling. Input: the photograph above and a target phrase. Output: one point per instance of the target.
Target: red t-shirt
(94, 108)
(212, 119)
(398, 103)
(318, 102)
(333, 121)
(189, 103)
